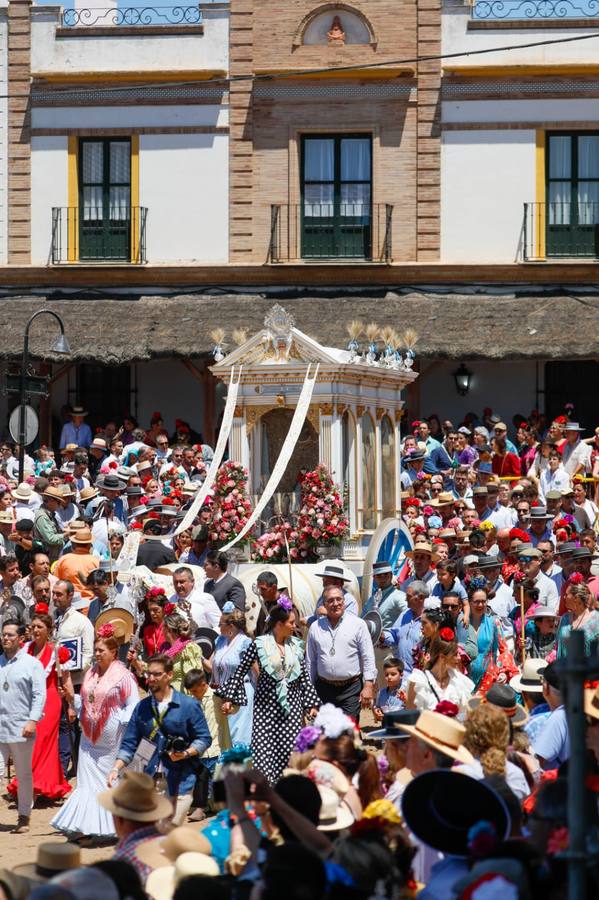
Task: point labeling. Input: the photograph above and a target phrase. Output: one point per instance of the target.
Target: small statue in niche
(336, 35)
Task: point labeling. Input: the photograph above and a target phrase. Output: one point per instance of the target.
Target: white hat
(335, 814)
(161, 883)
(530, 680)
(23, 492)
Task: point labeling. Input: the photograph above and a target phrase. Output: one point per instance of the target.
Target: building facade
(162, 170)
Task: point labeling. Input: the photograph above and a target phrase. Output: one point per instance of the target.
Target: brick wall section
(279, 122)
(428, 162)
(19, 132)
(241, 232)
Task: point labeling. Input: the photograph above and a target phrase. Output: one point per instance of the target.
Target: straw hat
(161, 883)
(135, 798)
(591, 702)
(163, 851)
(122, 623)
(98, 444)
(23, 492)
(82, 536)
(52, 857)
(444, 734)
(420, 547)
(443, 499)
(6, 517)
(53, 493)
(335, 814)
(88, 493)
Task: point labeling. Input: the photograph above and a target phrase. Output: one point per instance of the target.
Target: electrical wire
(234, 79)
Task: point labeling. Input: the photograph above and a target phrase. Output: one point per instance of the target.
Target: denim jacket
(183, 718)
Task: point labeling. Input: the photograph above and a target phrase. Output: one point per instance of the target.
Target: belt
(341, 683)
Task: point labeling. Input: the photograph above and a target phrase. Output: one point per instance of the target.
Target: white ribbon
(219, 451)
(297, 423)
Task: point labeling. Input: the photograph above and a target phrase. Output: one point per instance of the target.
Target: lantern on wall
(462, 377)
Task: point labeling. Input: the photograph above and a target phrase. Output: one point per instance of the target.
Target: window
(336, 210)
(105, 199)
(572, 194)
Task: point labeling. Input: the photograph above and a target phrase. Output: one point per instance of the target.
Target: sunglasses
(450, 606)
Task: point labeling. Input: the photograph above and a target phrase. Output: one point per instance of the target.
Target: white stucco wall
(112, 52)
(129, 116)
(507, 387)
(456, 38)
(49, 187)
(184, 185)
(486, 177)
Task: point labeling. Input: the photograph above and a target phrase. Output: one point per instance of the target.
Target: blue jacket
(183, 718)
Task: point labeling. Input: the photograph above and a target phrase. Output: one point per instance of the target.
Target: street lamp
(462, 380)
(61, 345)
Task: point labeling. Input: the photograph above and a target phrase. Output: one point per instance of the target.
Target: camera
(175, 744)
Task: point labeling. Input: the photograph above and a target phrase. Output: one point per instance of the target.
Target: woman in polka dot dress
(284, 692)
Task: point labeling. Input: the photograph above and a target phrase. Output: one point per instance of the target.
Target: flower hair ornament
(576, 578)
(447, 634)
(169, 609)
(307, 738)
(229, 607)
(447, 708)
(106, 631)
(333, 722)
(41, 609)
(478, 583)
(285, 603)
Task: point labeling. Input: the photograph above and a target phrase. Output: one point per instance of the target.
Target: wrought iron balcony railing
(566, 230)
(500, 10)
(110, 16)
(331, 231)
(108, 233)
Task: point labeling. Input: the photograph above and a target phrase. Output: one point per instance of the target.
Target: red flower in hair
(167, 501)
(576, 578)
(368, 826)
(413, 501)
(63, 655)
(113, 465)
(169, 609)
(153, 515)
(447, 634)
(106, 631)
(517, 534)
(447, 708)
(68, 478)
(136, 526)
(42, 609)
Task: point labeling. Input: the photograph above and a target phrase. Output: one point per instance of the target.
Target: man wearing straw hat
(45, 524)
(76, 566)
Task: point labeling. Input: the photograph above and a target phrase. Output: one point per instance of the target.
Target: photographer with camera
(167, 734)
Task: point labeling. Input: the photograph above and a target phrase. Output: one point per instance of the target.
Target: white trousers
(21, 753)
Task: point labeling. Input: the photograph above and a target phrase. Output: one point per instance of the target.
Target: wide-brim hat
(420, 547)
(98, 444)
(333, 572)
(543, 612)
(163, 851)
(414, 456)
(110, 483)
(135, 798)
(78, 411)
(374, 623)
(82, 536)
(88, 493)
(23, 492)
(121, 620)
(440, 807)
(52, 858)
(582, 553)
(441, 732)
(53, 493)
(443, 499)
(390, 727)
(206, 638)
(335, 814)
(161, 883)
(486, 561)
(539, 513)
(6, 517)
(503, 697)
(573, 426)
(566, 548)
(382, 568)
(529, 680)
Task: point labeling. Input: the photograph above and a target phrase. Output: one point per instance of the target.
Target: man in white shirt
(204, 609)
(576, 454)
(530, 563)
(71, 624)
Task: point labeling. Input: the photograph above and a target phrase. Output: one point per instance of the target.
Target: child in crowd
(195, 684)
(390, 697)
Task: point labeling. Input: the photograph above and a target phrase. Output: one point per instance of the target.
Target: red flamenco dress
(48, 777)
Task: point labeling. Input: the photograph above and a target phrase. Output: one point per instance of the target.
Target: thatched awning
(113, 330)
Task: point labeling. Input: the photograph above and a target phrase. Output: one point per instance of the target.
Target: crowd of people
(415, 743)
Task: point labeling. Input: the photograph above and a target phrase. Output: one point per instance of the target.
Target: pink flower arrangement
(229, 503)
(321, 520)
(106, 631)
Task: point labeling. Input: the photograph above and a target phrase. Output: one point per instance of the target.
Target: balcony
(560, 230)
(530, 10)
(99, 234)
(331, 231)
